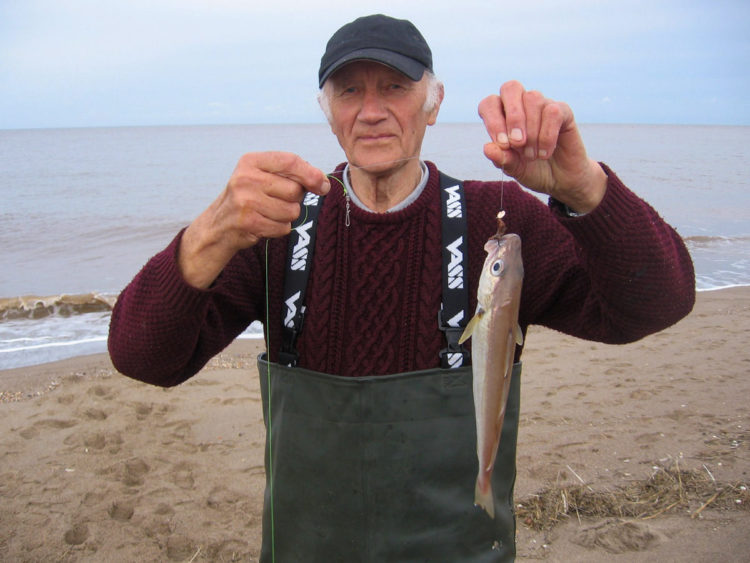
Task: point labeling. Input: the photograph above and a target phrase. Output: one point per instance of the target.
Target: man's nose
(373, 107)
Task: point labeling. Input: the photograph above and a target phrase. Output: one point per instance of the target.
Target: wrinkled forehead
(362, 68)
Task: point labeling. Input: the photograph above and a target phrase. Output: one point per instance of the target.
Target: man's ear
(432, 117)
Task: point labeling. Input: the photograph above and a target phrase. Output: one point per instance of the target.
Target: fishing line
(502, 183)
(397, 160)
(429, 155)
(347, 221)
(268, 414)
(269, 429)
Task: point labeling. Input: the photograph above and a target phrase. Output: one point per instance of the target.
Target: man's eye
(344, 90)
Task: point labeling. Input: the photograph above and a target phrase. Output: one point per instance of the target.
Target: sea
(81, 210)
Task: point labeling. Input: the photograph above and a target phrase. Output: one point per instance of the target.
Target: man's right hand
(261, 200)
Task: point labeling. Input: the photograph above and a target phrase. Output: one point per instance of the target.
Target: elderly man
(371, 438)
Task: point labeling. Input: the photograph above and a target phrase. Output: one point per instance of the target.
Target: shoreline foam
(42, 329)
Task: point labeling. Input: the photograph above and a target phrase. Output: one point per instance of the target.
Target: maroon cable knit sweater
(614, 275)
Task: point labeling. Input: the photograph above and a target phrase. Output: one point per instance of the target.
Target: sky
(94, 63)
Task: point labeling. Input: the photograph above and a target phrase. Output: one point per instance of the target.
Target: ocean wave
(63, 305)
(703, 241)
(51, 344)
(27, 341)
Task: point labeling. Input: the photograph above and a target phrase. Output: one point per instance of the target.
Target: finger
(490, 110)
(276, 210)
(505, 159)
(257, 196)
(280, 187)
(533, 103)
(295, 168)
(253, 188)
(260, 215)
(256, 225)
(554, 117)
(511, 94)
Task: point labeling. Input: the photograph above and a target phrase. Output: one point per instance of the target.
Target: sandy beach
(97, 467)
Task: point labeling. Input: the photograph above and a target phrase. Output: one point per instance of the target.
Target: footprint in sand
(179, 548)
(617, 537)
(95, 441)
(164, 510)
(182, 476)
(147, 410)
(94, 414)
(229, 550)
(220, 498)
(76, 535)
(618, 369)
(66, 399)
(92, 498)
(181, 437)
(56, 423)
(236, 400)
(143, 410)
(133, 471)
(160, 524)
(29, 433)
(101, 392)
(53, 423)
(650, 437)
(121, 510)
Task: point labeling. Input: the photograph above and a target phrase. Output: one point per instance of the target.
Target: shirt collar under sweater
(411, 198)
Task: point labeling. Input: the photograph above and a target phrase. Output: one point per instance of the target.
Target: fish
(494, 333)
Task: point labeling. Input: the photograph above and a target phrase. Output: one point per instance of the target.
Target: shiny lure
(494, 331)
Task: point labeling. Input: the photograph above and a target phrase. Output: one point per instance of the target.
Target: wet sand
(97, 467)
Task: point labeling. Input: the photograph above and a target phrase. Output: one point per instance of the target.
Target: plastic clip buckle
(455, 355)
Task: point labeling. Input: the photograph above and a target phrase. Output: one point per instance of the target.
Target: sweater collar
(411, 198)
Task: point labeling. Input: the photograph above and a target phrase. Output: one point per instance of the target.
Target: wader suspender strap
(454, 312)
(453, 315)
(301, 247)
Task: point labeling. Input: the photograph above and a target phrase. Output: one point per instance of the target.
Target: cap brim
(403, 64)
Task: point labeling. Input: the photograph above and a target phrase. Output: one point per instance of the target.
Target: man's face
(378, 115)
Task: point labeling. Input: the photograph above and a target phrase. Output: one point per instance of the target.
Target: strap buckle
(454, 355)
(288, 359)
(288, 354)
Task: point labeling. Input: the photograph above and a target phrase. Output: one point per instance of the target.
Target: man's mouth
(375, 137)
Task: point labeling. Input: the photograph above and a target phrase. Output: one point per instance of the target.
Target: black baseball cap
(392, 42)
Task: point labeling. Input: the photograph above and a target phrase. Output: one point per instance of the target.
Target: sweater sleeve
(620, 274)
(163, 330)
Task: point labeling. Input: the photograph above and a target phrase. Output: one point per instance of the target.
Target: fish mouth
(511, 240)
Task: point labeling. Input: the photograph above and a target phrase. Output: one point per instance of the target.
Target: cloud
(85, 62)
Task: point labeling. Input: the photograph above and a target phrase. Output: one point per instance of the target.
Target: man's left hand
(537, 142)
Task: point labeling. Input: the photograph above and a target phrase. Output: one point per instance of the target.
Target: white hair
(434, 89)
(432, 99)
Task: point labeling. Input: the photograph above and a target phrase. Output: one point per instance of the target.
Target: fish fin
(471, 325)
(518, 333)
(483, 498)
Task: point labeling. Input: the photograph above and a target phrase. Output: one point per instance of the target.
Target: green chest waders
(382, 469)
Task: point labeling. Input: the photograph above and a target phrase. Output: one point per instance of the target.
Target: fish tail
(483, 496)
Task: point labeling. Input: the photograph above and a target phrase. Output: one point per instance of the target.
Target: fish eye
(497, 267)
